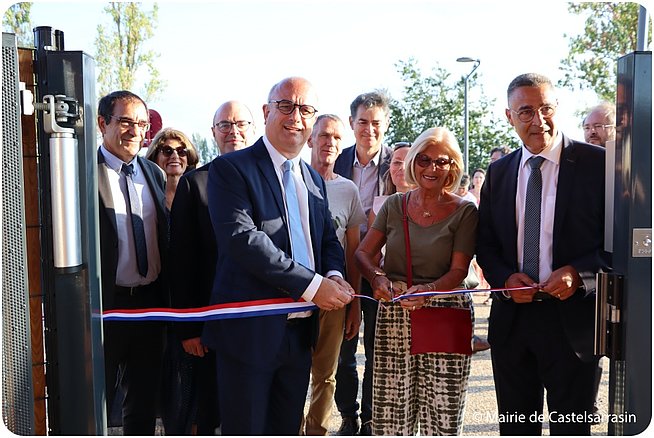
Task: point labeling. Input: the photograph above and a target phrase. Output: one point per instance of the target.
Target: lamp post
(466, 158)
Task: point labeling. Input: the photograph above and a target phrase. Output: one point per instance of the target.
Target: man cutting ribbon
(275, 239)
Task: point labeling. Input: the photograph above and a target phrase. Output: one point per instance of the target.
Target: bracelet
(376, 273)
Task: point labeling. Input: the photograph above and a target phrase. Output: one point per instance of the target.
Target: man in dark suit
(542, 337)
(131, 271)
(193, 249)
(365, 163)
(256, 195)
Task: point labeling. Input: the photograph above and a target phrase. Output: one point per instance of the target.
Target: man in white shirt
(133, 234)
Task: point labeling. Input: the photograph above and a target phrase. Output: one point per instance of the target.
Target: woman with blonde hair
(421, 392)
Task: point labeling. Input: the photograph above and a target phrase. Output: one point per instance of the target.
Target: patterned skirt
(422, 393)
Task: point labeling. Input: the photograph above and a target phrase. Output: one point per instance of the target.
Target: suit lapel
(104, 190)
(264, 162)
(511, 191)
(158, 195)
(565, 183)
(314, 193)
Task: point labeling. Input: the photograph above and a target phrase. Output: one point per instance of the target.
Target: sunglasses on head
(425, 161)
(167, 151)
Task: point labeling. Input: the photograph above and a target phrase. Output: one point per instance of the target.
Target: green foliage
(121, 55)
(206, 152)
(17, 21)
(610, 31)
(436, 100)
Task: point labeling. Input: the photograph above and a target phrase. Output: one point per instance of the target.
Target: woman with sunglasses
(423, 392)
(175, 154)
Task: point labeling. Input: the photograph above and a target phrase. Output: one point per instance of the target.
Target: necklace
(426, 213)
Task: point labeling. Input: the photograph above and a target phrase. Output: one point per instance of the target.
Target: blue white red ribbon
(246, 309)
(243, 309)
(432, 293)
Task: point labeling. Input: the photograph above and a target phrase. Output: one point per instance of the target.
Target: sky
(214, 51)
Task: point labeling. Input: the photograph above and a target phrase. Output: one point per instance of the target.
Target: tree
(206, 153)
(120, 53)
(434, 100)
(610, 31)
(17, 21)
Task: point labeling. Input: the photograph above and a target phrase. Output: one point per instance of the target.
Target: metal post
(643, 24)
(465, 126)
(466, 158)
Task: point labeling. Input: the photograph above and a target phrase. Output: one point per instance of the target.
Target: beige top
(431, 246)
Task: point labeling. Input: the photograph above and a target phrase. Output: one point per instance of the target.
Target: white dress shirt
(127, 270)
(550, 173)
(303, 198)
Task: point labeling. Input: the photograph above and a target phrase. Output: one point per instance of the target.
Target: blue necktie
(298, 241)
(531, 246)
(136, 218)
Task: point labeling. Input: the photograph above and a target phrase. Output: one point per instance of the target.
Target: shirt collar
(373, 162)
(277, 158)
(552, 154)
(115, 163)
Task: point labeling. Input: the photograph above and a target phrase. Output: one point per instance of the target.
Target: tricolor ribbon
(247, 309)
(243, 309)
(432, 293)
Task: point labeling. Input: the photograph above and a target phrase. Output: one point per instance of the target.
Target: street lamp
(465, 109)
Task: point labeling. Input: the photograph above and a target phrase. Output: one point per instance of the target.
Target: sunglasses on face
(425, 161)
(167, 151)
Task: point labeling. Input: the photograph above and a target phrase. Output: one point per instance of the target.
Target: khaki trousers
(323, 371)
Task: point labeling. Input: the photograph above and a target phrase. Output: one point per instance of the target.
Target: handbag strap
(407, 242)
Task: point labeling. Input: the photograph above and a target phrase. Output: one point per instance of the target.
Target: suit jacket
(108, 237)
(345, 162)
(193, 242)
(247, 211)
(578, 237)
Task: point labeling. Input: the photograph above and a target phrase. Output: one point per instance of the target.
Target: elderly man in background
(599, 124)
(335, 325)
(193, 249)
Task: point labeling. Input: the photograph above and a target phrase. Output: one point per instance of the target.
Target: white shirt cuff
(311, 290)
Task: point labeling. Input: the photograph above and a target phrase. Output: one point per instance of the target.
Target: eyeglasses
(287, 107)
(226, 127)
(527, 115)
(127, 123)
(596, 127)
(401, 144)
(167, 151)
(425, 161)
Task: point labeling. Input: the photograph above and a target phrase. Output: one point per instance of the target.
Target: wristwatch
(376, 273)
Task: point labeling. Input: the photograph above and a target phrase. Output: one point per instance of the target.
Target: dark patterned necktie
(531, 247)
(298, 241)
(136, 218)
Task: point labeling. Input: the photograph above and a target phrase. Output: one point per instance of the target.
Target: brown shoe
(479, 344)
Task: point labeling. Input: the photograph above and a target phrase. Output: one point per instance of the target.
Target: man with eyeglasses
(365, 164)
(337, 325)
(193, 241)
(275, 241)
(541, 227)
(599, 124)
(233, 127)
(133, 238)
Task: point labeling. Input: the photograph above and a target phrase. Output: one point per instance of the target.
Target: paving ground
(481, 407)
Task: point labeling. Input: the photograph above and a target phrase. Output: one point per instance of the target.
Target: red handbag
(436, 329)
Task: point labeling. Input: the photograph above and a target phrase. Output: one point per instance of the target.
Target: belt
(542, 296)
(292, 322)
(133, 290)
